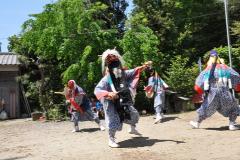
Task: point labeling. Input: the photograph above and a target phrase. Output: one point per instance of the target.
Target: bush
(180, 77)
(55, 113)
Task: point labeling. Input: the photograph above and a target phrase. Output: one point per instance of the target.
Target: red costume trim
(198, 89)
(237, 88)
(75, 105)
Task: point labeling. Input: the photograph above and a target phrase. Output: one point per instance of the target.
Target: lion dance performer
(156, 87)
(79, 105)
(217, 82)
(116, 91)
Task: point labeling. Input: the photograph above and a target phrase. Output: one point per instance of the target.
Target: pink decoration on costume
(136, 78)
(101, 94)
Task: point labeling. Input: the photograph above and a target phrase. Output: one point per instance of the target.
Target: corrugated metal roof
(7, 58)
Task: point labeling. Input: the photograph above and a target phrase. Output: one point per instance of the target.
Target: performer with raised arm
(217, 83)
(156, 88)
(116, 91)
(79, 105)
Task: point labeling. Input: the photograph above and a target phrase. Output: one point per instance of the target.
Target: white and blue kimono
(102, 89)
(158, 86)
(218, 96)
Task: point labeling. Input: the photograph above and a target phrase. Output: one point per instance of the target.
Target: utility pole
(0, 46)
(227, 28)
(228, 37)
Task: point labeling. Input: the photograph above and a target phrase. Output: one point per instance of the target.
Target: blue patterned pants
(219, 99)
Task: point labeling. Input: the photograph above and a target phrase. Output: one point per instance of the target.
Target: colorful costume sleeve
(102, 88)
(151, 82)
(66, 93)
(200, 82)
(164, 84)
(235, 79)
(228, 72)
(150, 85)
(80, 91)
(133, 76)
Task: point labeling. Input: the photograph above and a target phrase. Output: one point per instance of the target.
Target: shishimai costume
(79, 105)
(216, 83)
(156, 87)
(116, 92)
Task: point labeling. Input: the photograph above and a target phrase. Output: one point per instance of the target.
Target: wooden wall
(9, 91)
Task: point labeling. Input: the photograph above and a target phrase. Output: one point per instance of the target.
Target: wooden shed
(9, 87)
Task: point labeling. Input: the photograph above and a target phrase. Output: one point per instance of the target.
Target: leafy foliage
(224, 53)
(64, 41)
(181, 78)
(190, 28)
(140, 45)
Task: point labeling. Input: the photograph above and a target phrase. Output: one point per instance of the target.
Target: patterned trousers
(219, 99)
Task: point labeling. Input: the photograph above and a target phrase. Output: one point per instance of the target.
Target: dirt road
(172, 140)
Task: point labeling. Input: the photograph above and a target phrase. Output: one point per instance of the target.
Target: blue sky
(14, 12)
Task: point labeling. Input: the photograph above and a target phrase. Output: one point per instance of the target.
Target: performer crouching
(116, 92)
(216, 82)
(79, 105)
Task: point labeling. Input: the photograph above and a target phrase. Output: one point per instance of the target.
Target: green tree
(63, 42)
(189, 28)
(180, 77)
(223, 53)
(140, 45)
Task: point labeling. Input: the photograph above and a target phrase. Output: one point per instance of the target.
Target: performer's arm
(101, 90)
(198, 87)
(66, 93)
(165, 86)
(235, 79)
(75, 105)
(149, 87)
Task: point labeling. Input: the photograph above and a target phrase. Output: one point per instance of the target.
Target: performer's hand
(206, 93)
(112, 96)
(67, 101)
(143, 67)
(147, 64)
(148, 88)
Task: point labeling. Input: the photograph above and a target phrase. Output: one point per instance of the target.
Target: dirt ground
(171, 140)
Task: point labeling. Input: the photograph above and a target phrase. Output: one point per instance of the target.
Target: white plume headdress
(110, 52)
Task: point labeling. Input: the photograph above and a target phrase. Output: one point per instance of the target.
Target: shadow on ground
(89, 130)
(223, 128)
(14, 158)
(143, 142)
(166, 119)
